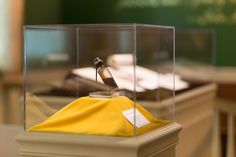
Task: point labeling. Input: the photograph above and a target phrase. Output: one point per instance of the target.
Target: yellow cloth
(97, 116)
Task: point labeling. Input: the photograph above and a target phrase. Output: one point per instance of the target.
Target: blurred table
(229, 108)
(225, 113)
(224, 108)
(194, 110)
(11, 84)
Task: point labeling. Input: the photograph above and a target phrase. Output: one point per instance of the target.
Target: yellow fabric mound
(97, 116)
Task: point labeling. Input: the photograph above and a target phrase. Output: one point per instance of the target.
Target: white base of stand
(157, 143)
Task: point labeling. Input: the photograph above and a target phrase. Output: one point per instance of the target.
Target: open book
(123, 71)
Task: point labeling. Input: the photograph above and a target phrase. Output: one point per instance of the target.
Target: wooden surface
(229, 108)
(8, 145)
(12, 90)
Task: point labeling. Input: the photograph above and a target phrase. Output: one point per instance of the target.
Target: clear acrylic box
(195, 45)
(59, 71)
(195, 49)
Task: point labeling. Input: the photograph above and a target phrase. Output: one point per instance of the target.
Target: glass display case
(195, 49)
(195, 45)
(94, 79)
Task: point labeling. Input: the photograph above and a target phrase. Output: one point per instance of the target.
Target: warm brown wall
(15, 35)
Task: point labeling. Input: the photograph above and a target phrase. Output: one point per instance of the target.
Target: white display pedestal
(157, 143)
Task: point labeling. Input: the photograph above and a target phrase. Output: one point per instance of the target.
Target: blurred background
(205, 47)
